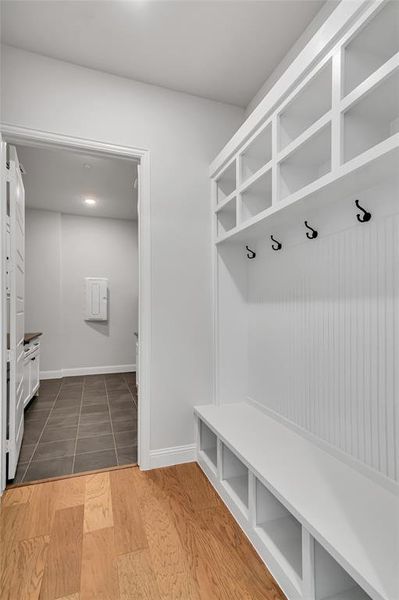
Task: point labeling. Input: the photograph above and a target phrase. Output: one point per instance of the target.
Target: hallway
(79, 424)
(126, 535)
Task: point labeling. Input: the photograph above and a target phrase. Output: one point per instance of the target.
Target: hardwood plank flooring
(127, 535)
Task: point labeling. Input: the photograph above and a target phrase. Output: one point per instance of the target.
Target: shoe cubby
(332, 582)
(226, 217)
(257, 154)
(208, 444)
(372, 46)
(257, 197)
(373, 118)
(235, 477)
(307, 163)
(308, 106)
(226, 183)
(280, 531)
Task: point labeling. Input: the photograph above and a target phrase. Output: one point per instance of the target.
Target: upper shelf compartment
(256, 154)
(308, 106)
(373, 119)
(372, 46)
(307, 163)
(226, 183)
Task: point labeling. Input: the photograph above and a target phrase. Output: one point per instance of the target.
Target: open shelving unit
(286, 440)
(337, 125)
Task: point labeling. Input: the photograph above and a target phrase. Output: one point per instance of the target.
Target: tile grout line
(110, 419)
(77, 428)
(41, 433)
(51, 412)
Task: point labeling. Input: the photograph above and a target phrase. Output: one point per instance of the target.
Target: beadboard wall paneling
(323, 343)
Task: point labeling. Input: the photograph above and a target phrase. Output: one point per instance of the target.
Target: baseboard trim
(87, 371)
(176, 455)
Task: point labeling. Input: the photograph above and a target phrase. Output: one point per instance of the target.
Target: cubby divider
(226, 183)
(371, 47)
(257, 197)
(226, 216)
(279, 529)
(235, 477)
(307, 163)
(332, 582)
(308, 106)
(373, 118)
(208, 444)
(256, 154)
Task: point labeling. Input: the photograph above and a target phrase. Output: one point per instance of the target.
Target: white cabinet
(31, 370)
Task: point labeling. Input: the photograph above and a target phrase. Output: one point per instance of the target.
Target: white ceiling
(59, 180)
(218, 49)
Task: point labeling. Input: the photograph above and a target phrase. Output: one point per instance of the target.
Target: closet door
(16, 266)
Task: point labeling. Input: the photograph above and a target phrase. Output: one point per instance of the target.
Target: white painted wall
(61, 251)
(183, 133)
(43, 283)
(95, 247)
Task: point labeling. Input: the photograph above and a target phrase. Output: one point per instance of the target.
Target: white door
(16, 268)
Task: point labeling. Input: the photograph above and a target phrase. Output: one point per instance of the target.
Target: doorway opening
(82, 302)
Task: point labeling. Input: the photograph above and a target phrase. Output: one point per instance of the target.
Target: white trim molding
(176, 455)
(22, 135)
(87, 371)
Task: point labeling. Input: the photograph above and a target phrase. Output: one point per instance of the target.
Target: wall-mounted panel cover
(96, 301)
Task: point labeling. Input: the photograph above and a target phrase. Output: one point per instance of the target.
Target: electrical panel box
(96, 299)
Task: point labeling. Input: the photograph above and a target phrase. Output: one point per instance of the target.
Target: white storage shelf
(257, 197)
(304, 489)
(235, 477)
(306, 164)
(331, 581)
(227, 216)
(256, 154)
(226, 183)
(335, 129)
(208, 445)
(375, 43)
(310, 104)
(279, 529)
(373, 119)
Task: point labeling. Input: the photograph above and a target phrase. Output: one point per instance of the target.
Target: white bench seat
(354, 518)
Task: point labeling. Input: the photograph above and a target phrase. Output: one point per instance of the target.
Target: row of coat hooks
(312, 234)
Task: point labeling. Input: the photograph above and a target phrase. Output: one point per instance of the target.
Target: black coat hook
(313, 234)
(277, 245)
(366, 215)
(251, 254)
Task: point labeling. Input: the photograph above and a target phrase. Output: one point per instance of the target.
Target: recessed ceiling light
(90, 201)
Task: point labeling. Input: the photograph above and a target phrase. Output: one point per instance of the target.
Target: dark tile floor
(79, 424)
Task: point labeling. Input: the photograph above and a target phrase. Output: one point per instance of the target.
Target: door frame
(34, 137)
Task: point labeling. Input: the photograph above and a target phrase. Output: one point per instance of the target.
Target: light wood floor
(127, 535)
